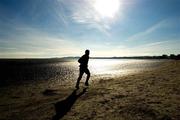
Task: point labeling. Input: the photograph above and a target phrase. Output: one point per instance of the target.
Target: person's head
(87, 52)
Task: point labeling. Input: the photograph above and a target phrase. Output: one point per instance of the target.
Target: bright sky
(58, 28)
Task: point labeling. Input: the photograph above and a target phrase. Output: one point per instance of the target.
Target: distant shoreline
(172, 56)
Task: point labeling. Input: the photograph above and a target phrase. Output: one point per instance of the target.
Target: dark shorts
(84, 70)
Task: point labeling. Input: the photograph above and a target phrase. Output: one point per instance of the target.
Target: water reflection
(59, 71)
(118, 66)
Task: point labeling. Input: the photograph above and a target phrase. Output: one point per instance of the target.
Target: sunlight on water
(104, 67)
(119, 66)
(101, 68)
(109, 66)
(60, 71)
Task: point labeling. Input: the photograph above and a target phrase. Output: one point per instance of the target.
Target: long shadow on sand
(62, 107)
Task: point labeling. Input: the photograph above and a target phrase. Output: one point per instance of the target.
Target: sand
(149, 95)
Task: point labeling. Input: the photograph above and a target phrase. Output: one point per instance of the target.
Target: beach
(149, 94)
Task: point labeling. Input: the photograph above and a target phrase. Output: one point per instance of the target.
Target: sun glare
(107, 8)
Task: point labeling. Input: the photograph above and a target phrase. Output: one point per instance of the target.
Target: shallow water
(53, 71)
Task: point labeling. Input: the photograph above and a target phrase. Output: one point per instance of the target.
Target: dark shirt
(84, 61)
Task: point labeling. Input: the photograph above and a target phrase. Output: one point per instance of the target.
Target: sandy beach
(89, 60)
(152, 94)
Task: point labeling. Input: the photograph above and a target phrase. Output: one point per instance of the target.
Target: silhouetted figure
(64, 106)
(83, 68)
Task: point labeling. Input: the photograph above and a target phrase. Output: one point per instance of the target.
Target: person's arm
(80, 60)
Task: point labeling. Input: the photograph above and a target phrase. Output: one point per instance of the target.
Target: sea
(59, 71)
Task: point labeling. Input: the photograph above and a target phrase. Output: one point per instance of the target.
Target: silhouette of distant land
(164, 56)
(62, 107)
(64, 59)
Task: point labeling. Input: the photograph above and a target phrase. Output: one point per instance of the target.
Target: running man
(83, 68)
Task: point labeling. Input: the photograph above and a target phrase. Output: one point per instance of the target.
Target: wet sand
(149, 95)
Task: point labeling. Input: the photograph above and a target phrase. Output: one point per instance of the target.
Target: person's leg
(79, 78)
(88, 76)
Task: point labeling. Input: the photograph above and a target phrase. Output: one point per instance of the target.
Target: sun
(106, 8)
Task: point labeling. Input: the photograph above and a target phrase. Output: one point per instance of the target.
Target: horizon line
(140, 56)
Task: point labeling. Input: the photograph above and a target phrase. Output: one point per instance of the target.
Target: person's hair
(86, 51)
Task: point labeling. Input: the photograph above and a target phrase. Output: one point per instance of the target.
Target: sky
(60, 28)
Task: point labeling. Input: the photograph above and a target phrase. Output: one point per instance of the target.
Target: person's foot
(86, 83)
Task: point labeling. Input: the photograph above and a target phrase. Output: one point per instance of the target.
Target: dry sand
(150, 95)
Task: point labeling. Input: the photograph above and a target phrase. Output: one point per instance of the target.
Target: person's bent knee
(79, 78)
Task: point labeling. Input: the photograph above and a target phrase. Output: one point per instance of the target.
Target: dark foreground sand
(149, 95)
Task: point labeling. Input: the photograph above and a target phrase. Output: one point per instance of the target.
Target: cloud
(31, 42)
(149, 49)
(163, 24)
(83, 12)
(156, 43)
(157, 48)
